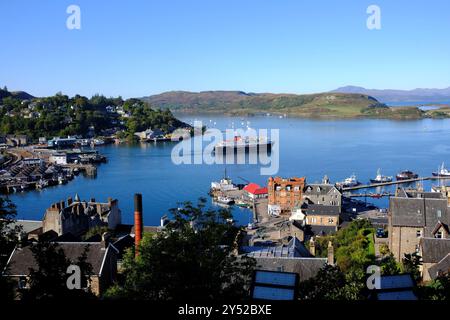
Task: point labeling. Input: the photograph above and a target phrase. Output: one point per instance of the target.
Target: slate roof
(321, 210)
(305, 267)
(293, 249)
(22, 259)
(442, 266)
(433, 250)
(418, 212)
(319, 189)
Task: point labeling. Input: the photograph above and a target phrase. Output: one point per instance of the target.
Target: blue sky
(136, 48)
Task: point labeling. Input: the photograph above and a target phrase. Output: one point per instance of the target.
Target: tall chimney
(312, 247)
(137, 222)
(330, 259)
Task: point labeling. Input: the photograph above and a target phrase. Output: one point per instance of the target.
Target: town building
(323, 194)
(292, 257)
(58, 158)
(414, 215)
(255, 191)
(284, 194)
(322, 219)
(102, 256)
(77, 217)
(435, 255)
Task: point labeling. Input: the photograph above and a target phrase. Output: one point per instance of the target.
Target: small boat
(225, 200)
(442, 172)
(380, 178)
(61, 180)
(406, 175)
(41, 184)
(349, 182)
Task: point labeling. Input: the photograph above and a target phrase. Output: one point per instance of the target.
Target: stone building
(435, 255)
(323, 194)
(414, 215)
(100, 255)
(77, 217)
(322, 219)
(285, 194)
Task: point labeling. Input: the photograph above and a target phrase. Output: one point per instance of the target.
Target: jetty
(382, 184)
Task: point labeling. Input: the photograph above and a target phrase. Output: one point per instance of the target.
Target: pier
(382, 184)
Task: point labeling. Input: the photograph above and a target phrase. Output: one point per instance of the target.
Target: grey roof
(321, 230)
(22, 259)
(418, 212)
(305, 267)
(293, 249)
(319, 189)
(442, 266)
(321, 210)
(433, 250)
(28, 225)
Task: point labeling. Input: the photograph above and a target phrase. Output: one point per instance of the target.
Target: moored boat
(349, 182)
(225, 200)
(380, 178)
(407, 175)
(442, 172)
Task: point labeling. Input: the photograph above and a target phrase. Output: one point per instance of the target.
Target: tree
(9, 237)
(438, 289)
(193, 258)
(49, 280)
(411, 264)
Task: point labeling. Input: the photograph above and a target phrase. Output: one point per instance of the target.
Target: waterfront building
(323, 194)
(77, 217)
(414, 215)
(284, 194)
(255, 191)
(58, 158)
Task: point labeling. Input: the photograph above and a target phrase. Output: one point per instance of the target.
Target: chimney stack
(137, 221)
(312, 247)
(330, 259)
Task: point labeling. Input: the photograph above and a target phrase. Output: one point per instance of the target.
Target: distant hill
(21, 95)
(240, 103)
(389, 95)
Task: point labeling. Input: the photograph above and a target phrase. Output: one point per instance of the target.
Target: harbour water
(310, 148)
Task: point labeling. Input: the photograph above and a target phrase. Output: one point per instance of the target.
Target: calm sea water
(310, 148)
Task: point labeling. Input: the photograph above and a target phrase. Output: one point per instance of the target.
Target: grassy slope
(326, 105)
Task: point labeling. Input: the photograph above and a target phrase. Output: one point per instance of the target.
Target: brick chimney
(330, 259)
(312, 247)
(138, 221)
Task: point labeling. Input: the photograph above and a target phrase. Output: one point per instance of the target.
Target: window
(418, 233)
(22, 283)
(439, 213)
(330, 220)
(438, 235)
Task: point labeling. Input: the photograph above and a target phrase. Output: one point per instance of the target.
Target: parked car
(380, 233)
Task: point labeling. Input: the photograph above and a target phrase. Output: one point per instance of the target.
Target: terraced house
(416, 216)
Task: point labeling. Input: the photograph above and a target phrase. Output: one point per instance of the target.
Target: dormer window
(438, 235)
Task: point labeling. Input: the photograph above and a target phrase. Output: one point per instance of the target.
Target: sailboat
(442, 172)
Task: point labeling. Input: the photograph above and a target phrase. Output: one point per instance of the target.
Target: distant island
(321, 105)
(415, 96)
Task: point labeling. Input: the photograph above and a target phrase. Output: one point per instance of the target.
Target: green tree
(49, 280)
(9, 236)
(193, 258)
(411, 264)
